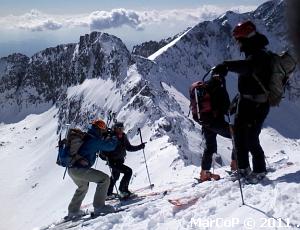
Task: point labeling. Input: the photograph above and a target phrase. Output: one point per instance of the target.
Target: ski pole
(66, 167)
(108, 118)
(114, 117)
(66, 135)
(235, 154)
(151, 186)
(111, 117)
(112, 176)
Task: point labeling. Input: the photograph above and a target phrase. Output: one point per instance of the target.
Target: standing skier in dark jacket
(116, 161)
(252, 107)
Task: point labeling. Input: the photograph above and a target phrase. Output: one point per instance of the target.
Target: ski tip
(228, 172)
(174, 202)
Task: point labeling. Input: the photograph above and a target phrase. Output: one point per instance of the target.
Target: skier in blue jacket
(82, 173)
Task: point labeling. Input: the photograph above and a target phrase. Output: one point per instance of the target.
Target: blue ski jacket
(93, 144)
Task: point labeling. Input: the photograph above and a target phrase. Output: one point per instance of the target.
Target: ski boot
(206, 175)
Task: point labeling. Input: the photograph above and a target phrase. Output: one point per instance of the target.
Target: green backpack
(282, 66)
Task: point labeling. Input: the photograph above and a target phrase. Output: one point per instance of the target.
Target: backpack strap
(269, 53)
(261, 84)
(259, 98)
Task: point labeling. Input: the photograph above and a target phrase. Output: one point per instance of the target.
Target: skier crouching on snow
(116, 161)
(82, 173)
(252, 106)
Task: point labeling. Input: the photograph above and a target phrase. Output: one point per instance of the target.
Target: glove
(143, 145)
(220, 70)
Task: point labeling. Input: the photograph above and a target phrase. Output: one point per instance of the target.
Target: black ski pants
(210, 132)
(248, 124)
(118, 167)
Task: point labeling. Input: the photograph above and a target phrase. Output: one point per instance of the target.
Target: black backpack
(209, 100)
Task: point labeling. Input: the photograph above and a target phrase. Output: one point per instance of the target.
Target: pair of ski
(84, 220)
(129, 203)
(115, 199)
(187, 201)
(134, 192)
(125, 205)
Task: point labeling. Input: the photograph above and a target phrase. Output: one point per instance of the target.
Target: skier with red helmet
(252, 106)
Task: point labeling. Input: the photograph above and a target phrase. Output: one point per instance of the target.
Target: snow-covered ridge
(44, 78)
(209, 43)
(160, 51)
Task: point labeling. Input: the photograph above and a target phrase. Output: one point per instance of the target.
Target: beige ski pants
(82, 177)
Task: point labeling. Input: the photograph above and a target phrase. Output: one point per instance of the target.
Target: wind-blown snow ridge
(160, 51)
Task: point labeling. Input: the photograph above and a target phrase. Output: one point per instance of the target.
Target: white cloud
(116, 18)
(32, 21)
(42, 25)
(99, 20)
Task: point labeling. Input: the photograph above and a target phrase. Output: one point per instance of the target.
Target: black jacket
(120, 151)
(219, 97)
(257, 62)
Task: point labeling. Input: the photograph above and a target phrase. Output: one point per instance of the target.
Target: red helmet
(244, 30)
(99, 123)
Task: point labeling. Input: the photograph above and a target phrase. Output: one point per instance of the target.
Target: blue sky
(80, 6)
(31, 25)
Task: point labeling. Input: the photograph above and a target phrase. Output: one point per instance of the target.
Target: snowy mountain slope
(136, 96)
(99, 74)
(39, 195)
(138, 102)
